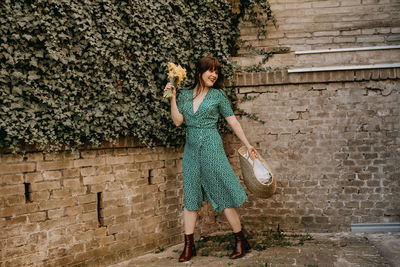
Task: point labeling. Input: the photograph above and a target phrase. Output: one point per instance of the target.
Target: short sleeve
(225, 106)
(180, 101)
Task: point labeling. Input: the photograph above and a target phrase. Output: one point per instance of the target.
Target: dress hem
(219, 209)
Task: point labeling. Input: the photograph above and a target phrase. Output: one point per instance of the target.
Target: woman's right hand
(173, 91)
(176, 116)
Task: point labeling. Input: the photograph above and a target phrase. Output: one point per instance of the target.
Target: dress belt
(200, 127)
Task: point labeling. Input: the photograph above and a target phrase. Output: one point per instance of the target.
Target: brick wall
(327, 24)
(94, 208)
(332, 139)
(313, 24)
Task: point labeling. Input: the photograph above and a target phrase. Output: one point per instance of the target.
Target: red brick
(119, 168)
(40, 195)
(11, 158)
(14, 200)
(285, 77)
(33, 177)
(168, 156)
(57, 203)
(40, 186)
(75, 172)
(71, 183)
(54, 165)
(13, 179)
(256, 79)
(104, 170)
(240, 79)
(128, 176)
(89, 154)
(121, 159)
(17, 168)
(146, 157)
(99, 179)
(89, 207)
(375, 74)
(89, 162)
(39, 156)
(37, 216)
(57, 223)
(87, 198)
(18, 210)
(384, 74)
(51, 175)
(94, 188)
(152, 165)
(88, 171)
(9, 190)
(54, 156)
(60, 193)
(74, 210)
(398, 73)
(264, 78)
(116, 211)
(55, 213)
(89, 216)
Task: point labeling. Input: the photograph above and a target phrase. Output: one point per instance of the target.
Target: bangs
(209, 63)
(214, 65)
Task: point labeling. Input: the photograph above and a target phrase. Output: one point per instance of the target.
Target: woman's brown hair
(204, 64)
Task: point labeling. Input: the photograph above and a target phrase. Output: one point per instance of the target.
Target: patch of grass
(205, 251)
(159, 250)
(222, 245)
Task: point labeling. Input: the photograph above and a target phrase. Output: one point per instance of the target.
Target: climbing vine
(77, 73)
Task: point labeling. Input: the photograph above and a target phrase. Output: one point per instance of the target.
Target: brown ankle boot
(189, 249)
(241, 246)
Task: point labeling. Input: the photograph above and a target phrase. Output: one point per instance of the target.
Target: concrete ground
(331, 249)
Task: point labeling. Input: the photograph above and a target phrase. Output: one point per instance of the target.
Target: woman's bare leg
(233, 218)
(241, 244)
(189, 220)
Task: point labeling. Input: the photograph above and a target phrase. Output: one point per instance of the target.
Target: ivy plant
(76, 73)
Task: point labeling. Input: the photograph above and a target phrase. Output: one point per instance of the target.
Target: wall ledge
(350, 49)
(346, 67)
(281, 77)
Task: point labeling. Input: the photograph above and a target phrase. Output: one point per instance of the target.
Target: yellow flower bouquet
(176, 75)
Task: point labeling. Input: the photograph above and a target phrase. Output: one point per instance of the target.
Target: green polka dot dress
(207, 173)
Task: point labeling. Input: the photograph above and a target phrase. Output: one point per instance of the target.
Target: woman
(207, 174)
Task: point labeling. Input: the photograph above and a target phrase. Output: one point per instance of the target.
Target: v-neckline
(204, 98)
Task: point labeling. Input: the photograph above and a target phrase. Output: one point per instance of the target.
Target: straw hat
(250, 180)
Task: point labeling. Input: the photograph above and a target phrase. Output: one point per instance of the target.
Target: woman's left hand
(252, 152)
